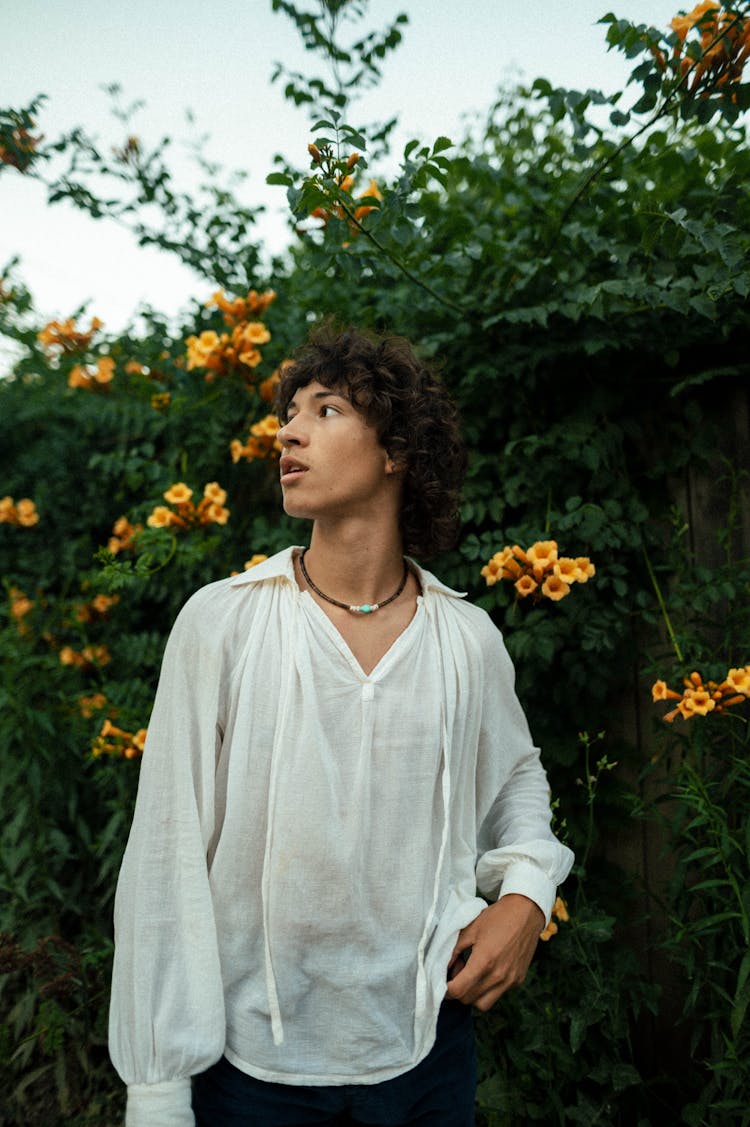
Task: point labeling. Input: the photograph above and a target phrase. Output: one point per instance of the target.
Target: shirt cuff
(167, 1104)
(524, 878)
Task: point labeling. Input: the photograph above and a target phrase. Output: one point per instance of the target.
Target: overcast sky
(216, 59)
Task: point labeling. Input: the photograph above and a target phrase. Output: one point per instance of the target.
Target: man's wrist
(526, 903)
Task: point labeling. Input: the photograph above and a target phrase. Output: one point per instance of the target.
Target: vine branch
(631, 138)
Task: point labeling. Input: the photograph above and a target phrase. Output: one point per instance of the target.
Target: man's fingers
(496, 948)
(466, 939)
(470, 979)
(478, 988)
(459, 958)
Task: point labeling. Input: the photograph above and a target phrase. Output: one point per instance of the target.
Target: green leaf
(280, 178)
(701, 886)
(704, 377)
(710, 923)
(698, 854)
(624, 1076)
(742, 996)
(703, 306)
(354, 137)
(578, 1027)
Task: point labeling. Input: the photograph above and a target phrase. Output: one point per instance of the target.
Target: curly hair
(415, 419)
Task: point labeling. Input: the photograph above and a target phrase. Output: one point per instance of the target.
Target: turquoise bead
(365, 608)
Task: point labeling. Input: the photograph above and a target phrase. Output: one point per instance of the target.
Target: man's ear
(395, 465)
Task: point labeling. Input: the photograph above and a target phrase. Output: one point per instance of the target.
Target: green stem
(717, 830)
(399, 264)
(83, 1007)
(663, 607)
(167, 559)
(590, 797)
(590, 783)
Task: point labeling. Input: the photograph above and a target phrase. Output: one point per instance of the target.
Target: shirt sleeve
(167, 1018)
(518, 852)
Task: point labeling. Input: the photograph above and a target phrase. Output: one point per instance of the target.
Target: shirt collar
(281, 566)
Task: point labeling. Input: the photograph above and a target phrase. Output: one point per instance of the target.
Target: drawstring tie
(272, 993)
(445, 788)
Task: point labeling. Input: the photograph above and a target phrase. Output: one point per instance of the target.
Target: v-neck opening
(343, 646)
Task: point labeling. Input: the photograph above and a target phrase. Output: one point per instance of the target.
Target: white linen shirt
(308, 840)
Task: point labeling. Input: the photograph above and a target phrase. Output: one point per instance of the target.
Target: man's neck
(355, 562)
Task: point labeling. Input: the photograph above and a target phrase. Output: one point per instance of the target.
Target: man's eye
(327, 409)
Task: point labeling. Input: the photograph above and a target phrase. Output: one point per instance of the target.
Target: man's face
(332, 464)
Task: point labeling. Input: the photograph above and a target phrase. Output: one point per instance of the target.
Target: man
(335, 760)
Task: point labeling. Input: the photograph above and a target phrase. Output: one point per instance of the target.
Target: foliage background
(579, 272)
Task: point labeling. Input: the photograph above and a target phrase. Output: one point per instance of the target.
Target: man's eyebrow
(326, 392)
(321, 395)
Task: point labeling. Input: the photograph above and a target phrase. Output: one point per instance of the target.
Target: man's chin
(294, 508)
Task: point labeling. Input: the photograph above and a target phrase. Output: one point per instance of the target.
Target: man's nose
(291, 434)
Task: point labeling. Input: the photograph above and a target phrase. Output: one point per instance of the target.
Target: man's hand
(500, 944)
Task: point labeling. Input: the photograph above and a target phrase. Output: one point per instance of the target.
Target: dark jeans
(438, 1092)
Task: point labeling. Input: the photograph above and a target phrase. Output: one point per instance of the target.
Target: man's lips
(290, 468)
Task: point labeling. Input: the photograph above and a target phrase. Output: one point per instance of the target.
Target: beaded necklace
(363, 608)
